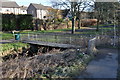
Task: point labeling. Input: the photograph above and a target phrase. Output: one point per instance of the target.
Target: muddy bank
(30, 51)
(64, 64)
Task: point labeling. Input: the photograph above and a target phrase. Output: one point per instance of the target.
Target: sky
(27, 2)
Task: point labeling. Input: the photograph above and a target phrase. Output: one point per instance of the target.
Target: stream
(104, 65)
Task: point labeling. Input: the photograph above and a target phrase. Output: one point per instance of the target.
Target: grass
(89, 32)
(56, 30)
(10, 46)
(6, 36)
(65, 30)
(45, 31)
(104, 26)
(101, 25)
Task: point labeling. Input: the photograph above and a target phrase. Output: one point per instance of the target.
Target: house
(38, 10)
(10, 7)
(23, 10)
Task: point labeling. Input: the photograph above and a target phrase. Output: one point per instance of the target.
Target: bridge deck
(52, 44)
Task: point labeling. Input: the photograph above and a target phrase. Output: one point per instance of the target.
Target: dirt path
(104, 65)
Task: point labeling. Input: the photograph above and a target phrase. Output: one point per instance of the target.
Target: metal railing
(73, 39)
(57, 38)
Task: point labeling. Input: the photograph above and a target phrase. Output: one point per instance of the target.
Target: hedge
(16, 22)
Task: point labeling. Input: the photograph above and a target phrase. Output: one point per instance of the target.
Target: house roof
(40, 6)
(48, 7)
(23, 7)
(10, 4)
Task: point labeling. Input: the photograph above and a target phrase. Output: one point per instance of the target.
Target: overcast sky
(27, 2)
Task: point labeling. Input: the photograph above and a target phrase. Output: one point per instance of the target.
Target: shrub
(16, 22)
(24, 22)
(8, 22)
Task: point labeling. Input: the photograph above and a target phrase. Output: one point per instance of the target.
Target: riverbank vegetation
(10, 48)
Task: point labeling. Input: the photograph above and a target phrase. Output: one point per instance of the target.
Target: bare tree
(88, 4)
(75, 6)
(106, 12)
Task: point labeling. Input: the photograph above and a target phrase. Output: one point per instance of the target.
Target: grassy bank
(9, 47)
(6, 36)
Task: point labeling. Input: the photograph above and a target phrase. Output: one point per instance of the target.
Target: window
(32, 12)
(7, 10)
(44, 17)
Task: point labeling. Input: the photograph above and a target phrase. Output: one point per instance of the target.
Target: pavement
(7, 41)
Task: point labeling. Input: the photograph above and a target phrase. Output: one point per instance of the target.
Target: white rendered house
(10, 7)
(38, 10)
(23, 10)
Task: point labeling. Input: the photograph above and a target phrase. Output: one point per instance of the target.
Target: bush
(8, 22)
(24, 22)
(16, 22)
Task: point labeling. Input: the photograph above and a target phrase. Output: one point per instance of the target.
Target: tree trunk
(73, 25)
(79, 18)
(98, 19)
(73, 17)
(79, 22)
(67, 25)
(97, 29)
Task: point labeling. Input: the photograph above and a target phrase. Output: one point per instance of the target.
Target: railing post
(56, 38)
(33, 36)
(36, 37)
(28, 36)
(70, 40)
(45, 38)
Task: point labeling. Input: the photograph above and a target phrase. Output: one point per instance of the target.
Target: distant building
(10, 7)
(23, 10)
(38, 10)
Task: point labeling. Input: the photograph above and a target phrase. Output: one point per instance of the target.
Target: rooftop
(23, 7)
(10, 4)
(40, 6)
